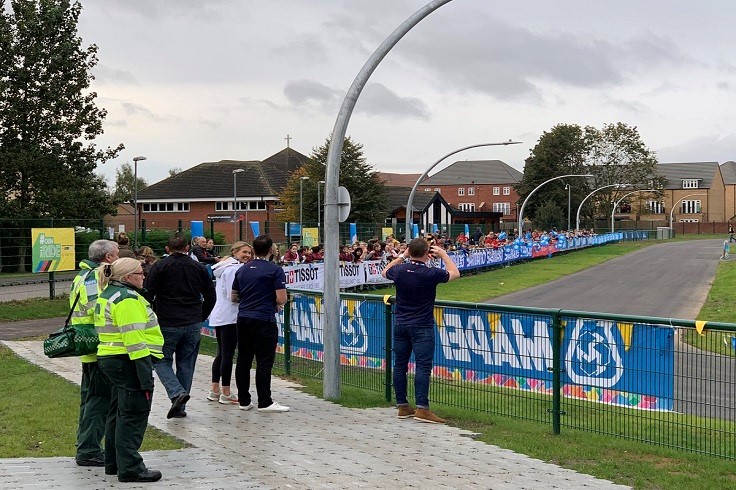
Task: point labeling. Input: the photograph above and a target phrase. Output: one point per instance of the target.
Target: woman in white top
(223, 318)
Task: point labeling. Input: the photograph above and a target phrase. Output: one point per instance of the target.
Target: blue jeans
(182, 343)
(420, 340)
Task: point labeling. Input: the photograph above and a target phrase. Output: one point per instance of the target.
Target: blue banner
(255, 227)
(617, 363)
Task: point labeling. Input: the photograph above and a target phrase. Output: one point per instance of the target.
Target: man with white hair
(95, 390)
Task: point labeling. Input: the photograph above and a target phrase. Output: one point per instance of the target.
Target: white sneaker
(230, 399)
(246, 407)
(213, 397)
(274, 407)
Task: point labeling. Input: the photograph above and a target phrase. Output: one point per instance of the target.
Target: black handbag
(72, 340)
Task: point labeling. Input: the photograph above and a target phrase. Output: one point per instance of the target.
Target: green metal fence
(679, 385)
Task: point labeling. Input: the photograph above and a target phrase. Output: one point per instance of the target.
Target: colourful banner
(52, 249)
(385, 232)
(310, 237)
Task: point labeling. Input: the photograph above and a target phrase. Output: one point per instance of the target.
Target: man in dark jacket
(183, 297)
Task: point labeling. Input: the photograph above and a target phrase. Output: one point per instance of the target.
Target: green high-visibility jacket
(85, 283)
(126, 324)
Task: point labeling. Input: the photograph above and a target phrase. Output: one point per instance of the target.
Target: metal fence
(662, 381)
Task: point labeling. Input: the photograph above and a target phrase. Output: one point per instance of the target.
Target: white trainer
(230, 399)
(246, 407)
(213, 396)
(274, 408)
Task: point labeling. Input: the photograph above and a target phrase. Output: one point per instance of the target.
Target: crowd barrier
(311, 276)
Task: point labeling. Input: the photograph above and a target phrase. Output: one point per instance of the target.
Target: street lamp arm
(410, 202)
(615, 204)
(678, 202)
(577, 217)
(521, 211)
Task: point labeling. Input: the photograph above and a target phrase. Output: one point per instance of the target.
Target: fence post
(102, 229)
(240, 229)
(180, 226)
(557, 333)
(143, 231)
(389, 375)
(287, 334)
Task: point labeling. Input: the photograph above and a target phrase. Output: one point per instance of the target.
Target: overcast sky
(189, 81)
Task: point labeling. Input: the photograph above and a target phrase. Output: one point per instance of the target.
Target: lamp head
(138, 159)
(238, 170)
(304, 177)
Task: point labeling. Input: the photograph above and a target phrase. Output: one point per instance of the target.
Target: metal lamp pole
(235, 203)
(135, 200)
(410, 202)
(615, 204)
(569, 189)
(521, 210)
(577, 217)
(301, 199)
(678, 202)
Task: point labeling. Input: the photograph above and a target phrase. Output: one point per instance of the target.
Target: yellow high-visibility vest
(126, 324)
(85, 284)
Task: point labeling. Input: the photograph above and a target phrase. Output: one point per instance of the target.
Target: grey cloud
(118, 123)
(300, 92)
(307, 48)
(132, 109)
(725, 86)
(378, 100)
(483, 54)
(627, 105)
(711, 147)
(208, 10)
(106, 75)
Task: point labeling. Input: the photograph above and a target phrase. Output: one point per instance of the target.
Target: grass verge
(41, 412)
(33, 309)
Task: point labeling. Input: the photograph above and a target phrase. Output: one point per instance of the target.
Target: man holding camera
(416, 289)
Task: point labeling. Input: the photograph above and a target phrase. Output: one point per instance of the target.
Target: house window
(437, 189)
(461, 191)
(165, 207)
(223, 206)
(471, 191)
(496, 191)
(427, 189)
(466, 206)
(655, 207)
(502, 207)
(691, 220)
(691, 207)
(507, 191)
(689, 183)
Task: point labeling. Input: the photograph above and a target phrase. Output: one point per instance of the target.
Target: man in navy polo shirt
(260, 289)
(416, 288)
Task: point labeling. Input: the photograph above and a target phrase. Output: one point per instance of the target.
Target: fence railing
(663, 381)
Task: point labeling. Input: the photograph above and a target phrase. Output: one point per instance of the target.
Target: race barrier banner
(311, 276)
(624, 364)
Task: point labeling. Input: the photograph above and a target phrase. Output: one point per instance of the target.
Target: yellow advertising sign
(52, 249)
(385, 232)
(310, 237)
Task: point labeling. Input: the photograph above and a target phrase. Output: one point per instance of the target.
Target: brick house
(211, 192)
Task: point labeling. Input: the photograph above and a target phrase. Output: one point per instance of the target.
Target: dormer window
(690, 183)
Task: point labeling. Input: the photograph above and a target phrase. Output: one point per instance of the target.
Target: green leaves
(48, 116)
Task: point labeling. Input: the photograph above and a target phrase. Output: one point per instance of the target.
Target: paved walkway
(317, 445)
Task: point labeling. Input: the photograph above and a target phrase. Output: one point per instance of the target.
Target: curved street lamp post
(615, 204)
(521, 210)
(577, 217)
(410, 202)
(678, 202)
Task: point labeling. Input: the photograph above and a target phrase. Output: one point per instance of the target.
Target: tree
(619, 156)
(174, 170)
(367, 192)
(124, 188)
(561, 151)
(48, 116)
(549, 215)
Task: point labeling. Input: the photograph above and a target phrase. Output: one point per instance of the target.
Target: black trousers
(222, 366)
(95, 403)
(127, 418)
(256, 338)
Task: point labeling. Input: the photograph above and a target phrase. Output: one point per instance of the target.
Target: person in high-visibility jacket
(130, 343)
(95, 390)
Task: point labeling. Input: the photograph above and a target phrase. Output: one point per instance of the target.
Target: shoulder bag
(71, 340)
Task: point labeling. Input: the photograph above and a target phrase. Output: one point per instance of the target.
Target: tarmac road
(670, 280)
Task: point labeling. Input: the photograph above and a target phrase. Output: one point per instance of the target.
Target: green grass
(33, 309)
(40, 412)
(480, 287)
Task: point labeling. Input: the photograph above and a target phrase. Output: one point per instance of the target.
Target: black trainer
(176, 403)
(146, 476)
(95, 461)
